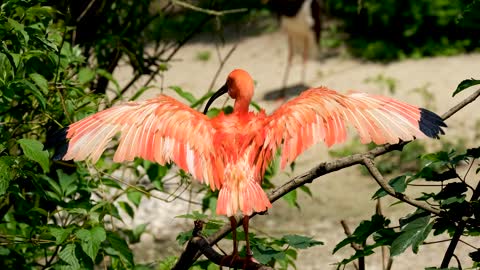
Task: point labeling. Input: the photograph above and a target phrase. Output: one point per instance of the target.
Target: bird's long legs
(233, 224)
(249, 252)
(287, 68)
(306, 51)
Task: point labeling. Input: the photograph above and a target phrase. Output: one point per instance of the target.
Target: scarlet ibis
(301, 20)
(230, 152)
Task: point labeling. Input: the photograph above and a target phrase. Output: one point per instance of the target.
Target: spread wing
(321, 114)
(162, 130)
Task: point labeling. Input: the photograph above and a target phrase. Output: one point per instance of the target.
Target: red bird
(231, 152)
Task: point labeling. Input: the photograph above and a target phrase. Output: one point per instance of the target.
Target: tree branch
(320, 170)
(199, 243)
(355, 246)
(369, 163)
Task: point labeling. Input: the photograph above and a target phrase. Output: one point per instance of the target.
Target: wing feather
(321, 114)
(162, 130)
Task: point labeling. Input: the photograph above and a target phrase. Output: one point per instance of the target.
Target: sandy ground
(341, 195)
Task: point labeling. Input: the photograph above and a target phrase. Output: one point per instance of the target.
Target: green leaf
(67, 182)
(475, 255)
(140, 91)
(306, 189)
(265, 254)
(465, 84)
(186, 95)
(118, 247)
(397, 183)
(167, 264)
(412, 234)
(299, 241)
(127, 208)
(60, 234)
(195, 216)
(4, 251)
(183, 237)
(473, 152)
(7, 173)
(32, 88)
(134, 196)
(91, 240)
(455, 189)
(137, 232)
(291, 198)
(68, 255)
(86, 75)
(156, 171)
(40, 81)
(108, 75)
(358, 254)
(18, 27)
(34, 150)
(364, 230)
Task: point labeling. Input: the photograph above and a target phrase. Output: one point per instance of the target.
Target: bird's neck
(241, 106)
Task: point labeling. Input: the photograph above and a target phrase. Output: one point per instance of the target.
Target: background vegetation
(56, 65)
(389, 30)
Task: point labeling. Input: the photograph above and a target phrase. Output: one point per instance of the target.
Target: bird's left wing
(160, 130)
(321, 114)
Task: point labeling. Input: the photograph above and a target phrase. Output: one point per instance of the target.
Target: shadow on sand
(287, 92)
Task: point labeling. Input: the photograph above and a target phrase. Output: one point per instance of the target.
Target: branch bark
(199, 242)
(320, 170)
(369, 163)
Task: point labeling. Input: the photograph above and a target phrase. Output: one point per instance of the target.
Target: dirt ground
(341, 195)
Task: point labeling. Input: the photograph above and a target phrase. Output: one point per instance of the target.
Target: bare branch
(355, 246)
(222, 63)
(368, 162)
(200, 243)
(207, 11)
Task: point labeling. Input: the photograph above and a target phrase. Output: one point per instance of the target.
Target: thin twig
(355, 246)
(458, 262)
(458, 232)
(208, 11)
(84, 12)
(220, 67)
(369, 163)
(386, 258)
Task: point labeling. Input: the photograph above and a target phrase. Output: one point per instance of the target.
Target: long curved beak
(221, 91)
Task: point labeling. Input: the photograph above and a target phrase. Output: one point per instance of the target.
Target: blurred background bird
(301, 20)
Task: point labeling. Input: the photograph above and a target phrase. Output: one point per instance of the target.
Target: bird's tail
(248, 197)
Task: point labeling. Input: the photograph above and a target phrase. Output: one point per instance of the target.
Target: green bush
(388, 30)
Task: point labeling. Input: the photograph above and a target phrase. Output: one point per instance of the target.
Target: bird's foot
(235, 260)
(230, 260)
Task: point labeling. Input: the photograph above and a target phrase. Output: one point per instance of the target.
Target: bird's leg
(249, 252)
(230, 259)
(306, 52)
(287, 69)
(233, 224)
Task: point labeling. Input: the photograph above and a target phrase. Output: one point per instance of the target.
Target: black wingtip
(431, 124)
(58, 140)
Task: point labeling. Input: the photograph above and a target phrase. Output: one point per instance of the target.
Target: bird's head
(239, 86)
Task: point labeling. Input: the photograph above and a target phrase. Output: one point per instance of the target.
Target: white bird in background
(301, 20)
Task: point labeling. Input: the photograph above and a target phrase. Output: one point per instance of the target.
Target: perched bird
(230, 152)
(301, 20)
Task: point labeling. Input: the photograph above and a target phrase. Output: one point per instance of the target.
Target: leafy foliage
(457, 213)
(391, 29)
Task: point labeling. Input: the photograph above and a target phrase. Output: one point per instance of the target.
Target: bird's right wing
(321, 114)
(162, 130)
